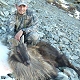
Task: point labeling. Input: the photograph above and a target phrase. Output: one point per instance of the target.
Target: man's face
(21, 9)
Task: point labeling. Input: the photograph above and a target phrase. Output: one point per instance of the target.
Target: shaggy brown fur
(52, 56)
(39, 64)
(36, 67)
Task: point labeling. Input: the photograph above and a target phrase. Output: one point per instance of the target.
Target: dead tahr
(37, 62)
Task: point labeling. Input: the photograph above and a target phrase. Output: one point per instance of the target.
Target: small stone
(50, 1)
(74, 57)
(3, 77)
(10, 75)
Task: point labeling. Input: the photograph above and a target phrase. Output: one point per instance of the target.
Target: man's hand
(18, 35)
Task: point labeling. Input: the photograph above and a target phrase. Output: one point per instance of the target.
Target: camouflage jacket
(27, 22)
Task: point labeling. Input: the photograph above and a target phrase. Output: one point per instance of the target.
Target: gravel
(56, 27)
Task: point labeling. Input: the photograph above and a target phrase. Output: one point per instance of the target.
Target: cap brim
(21, 4)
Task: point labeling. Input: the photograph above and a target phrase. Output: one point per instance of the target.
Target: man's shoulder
(29, 12)
(12, 14)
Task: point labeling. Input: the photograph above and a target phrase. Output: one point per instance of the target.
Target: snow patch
(4, 66)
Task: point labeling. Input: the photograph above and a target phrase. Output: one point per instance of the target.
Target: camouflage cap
(21, 2)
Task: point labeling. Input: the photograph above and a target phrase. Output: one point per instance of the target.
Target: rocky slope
(59, 27)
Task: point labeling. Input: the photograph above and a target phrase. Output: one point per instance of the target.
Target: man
(23, 22)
